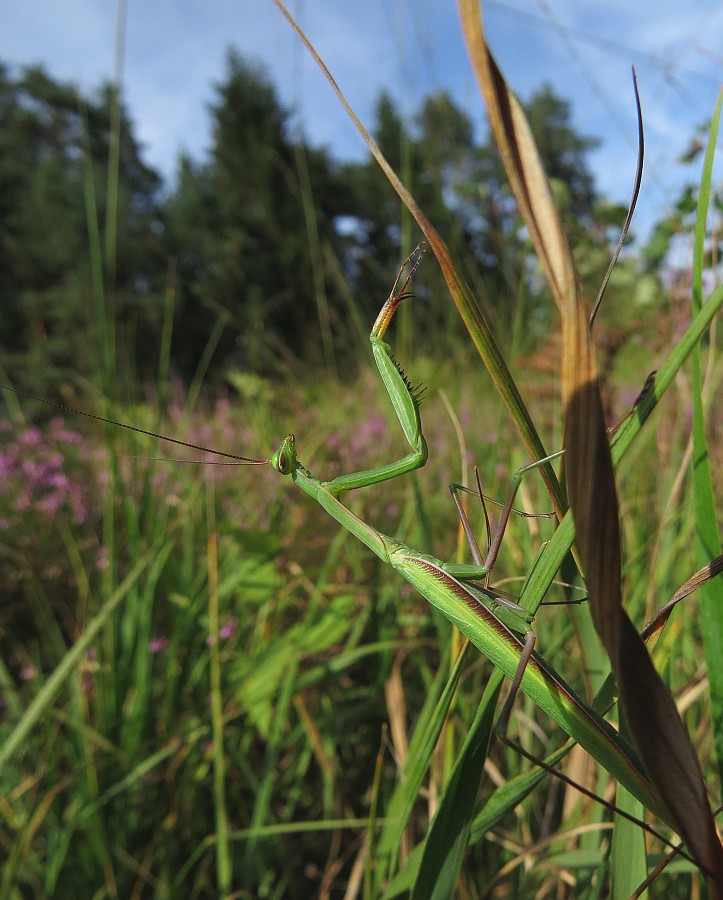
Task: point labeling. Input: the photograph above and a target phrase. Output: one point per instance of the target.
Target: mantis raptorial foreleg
(402, 395)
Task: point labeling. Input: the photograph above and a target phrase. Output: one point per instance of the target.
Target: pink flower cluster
(35, 475)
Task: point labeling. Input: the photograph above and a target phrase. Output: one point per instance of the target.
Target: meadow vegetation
(207, 688)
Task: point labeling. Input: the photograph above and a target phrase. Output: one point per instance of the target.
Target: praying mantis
(501, 630)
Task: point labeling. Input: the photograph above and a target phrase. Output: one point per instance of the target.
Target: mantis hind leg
(527, 649)
(484, 566)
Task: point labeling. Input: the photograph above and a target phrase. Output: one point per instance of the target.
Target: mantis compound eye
(284, 460)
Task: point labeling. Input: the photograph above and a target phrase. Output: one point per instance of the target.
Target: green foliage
(308, 623)
(197, 694)
(46, 130)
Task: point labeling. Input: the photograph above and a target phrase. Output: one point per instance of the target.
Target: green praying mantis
(500, 629)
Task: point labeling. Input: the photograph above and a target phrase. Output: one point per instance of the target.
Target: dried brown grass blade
(516, 145)
(652, 630)
(648, 708)
(631, 208)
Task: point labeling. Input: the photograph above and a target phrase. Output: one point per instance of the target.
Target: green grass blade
(628, 864)
(506, 797)
(223, 857)
(448, 836)
(421, 748)
(74, 656)
(104, 319)
(663, 377)
(707, 537)
(269, 776)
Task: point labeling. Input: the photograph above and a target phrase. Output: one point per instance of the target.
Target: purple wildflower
(228, 628)
(158, 645)
(31, 437)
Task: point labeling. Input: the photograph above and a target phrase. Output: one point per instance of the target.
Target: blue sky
(174, 52)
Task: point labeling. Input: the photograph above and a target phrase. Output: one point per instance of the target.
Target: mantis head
(284, 460)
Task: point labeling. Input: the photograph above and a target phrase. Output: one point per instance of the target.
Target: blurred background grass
(313, 633)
